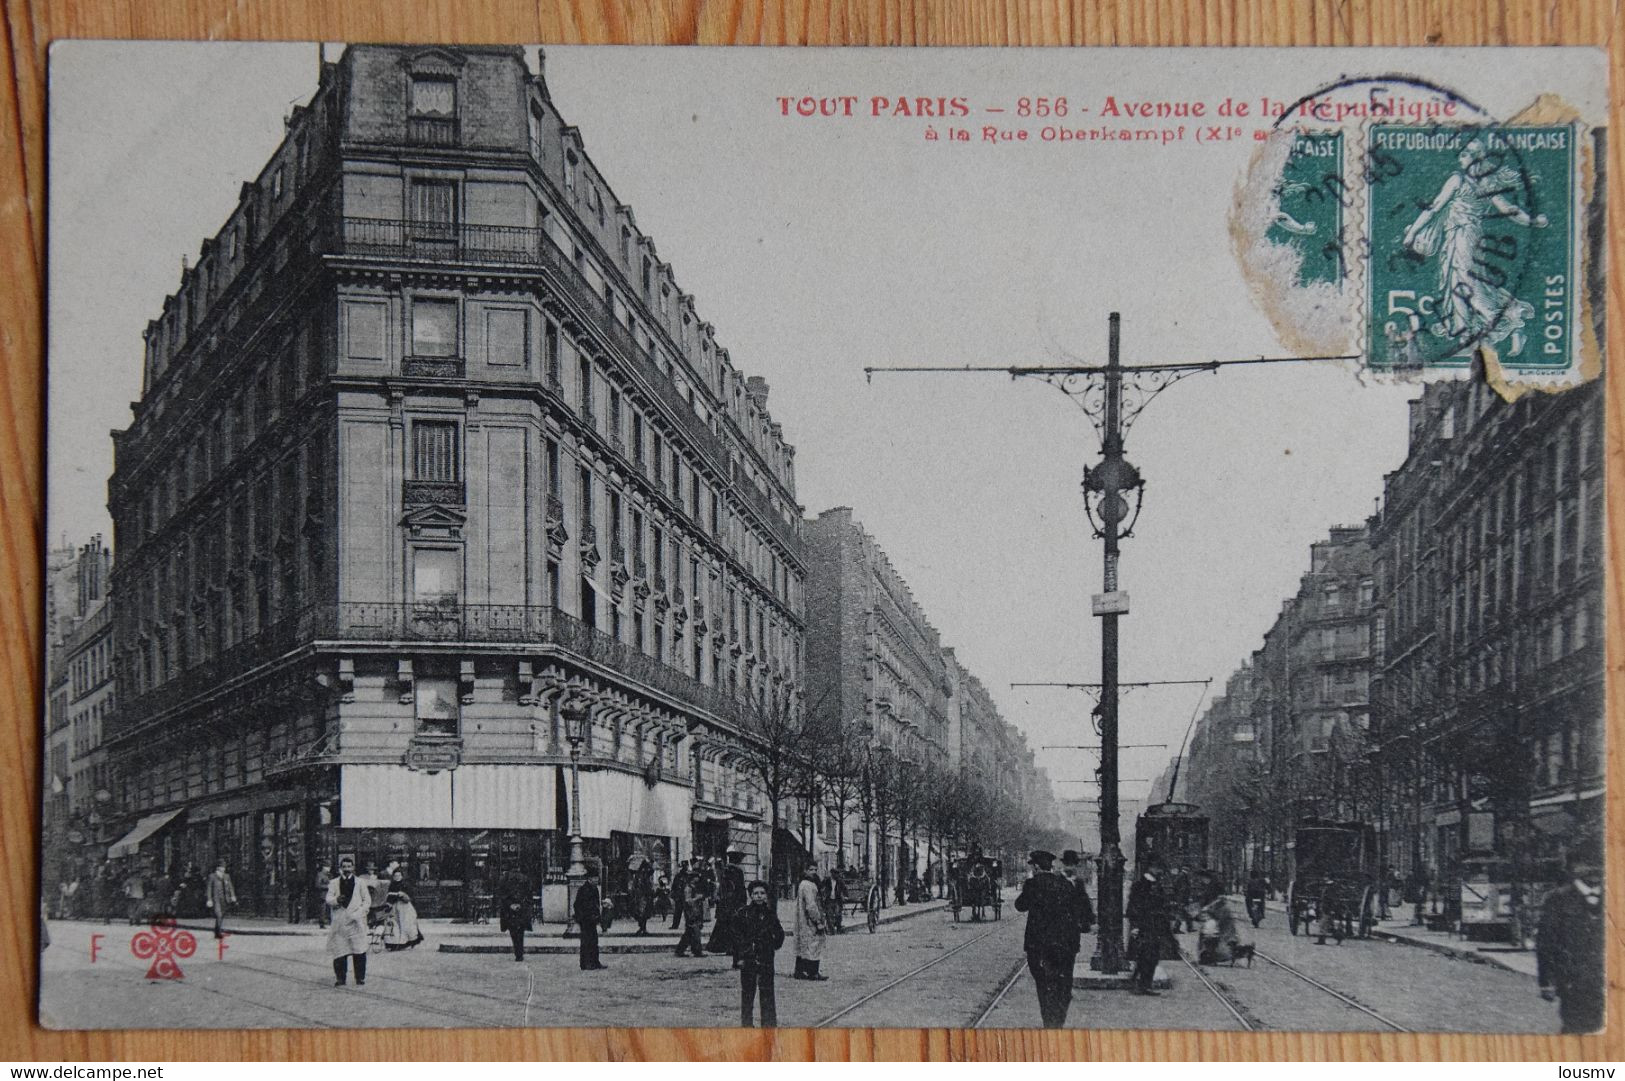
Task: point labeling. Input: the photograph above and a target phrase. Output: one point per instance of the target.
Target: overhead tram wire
(1016, 370)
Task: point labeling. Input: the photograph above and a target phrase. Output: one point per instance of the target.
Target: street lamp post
(576, 719)
(1098, 390)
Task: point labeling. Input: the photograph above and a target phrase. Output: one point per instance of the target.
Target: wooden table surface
(30, 29)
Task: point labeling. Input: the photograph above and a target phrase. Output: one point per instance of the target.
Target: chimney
(756, 387)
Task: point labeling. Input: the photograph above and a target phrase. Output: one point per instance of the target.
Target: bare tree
(839, 759)
(780, 735)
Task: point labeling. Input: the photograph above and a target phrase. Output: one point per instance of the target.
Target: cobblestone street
(921, 971)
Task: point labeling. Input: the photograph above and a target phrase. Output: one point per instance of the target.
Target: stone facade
(431, 445)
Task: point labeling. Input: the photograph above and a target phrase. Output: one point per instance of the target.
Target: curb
(1473, 956)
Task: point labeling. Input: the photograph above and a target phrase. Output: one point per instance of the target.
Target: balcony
(433, 367)
(515, 246)
(432, 130)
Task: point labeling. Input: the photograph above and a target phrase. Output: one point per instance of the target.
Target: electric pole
(1098, 391)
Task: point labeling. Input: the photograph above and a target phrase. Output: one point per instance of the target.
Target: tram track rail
(1243, 1015)
(1344, 999)
(1229, 1001)
(859, 1003)
(1004, 989)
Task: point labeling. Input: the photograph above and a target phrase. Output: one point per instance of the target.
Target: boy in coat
(589, 909)
(757, 934)
(811, 927)
(349, 899)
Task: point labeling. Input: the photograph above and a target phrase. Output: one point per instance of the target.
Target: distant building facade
(1490, 668)
(432, 451)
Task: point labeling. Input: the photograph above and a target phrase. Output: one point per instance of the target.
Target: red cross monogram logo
(165, 946)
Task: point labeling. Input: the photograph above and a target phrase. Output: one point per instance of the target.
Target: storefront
(456, 833)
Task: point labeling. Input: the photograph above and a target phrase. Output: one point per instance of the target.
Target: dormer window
(434, 110)
(434, 97)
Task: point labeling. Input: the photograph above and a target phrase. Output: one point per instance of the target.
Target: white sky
(817, 246)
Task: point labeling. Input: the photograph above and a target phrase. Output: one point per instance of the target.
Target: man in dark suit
(1071, 869)
(1051, 939)
(514, 905)
(1149, 916)
(679, 894)
(589, 908)
(1569, 946)
(730, 902)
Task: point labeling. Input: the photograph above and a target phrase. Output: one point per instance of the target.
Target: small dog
(1240, 951)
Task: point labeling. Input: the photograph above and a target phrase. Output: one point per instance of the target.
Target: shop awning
(130, 843)
(705, 814)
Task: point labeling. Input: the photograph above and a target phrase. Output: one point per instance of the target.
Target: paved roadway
(920, 972)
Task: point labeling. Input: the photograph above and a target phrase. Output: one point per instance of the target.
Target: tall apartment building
(79, 696)
(878, 666)
(432, 444)
(1488, 682)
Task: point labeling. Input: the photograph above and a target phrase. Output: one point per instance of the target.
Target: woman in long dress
(1474, 306)
(402, 932)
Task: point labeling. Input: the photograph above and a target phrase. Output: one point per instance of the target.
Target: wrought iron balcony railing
(392, 624)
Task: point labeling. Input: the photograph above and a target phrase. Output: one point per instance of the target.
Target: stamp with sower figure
(1420, 233)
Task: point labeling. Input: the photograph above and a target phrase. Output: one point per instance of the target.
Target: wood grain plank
(30, 27)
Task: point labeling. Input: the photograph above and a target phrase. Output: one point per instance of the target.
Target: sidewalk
(622, 932)
(1400, 929)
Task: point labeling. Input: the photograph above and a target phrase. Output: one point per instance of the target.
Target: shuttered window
(434, 450)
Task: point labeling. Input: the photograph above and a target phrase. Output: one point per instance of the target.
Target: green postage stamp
(1472, 232)
(1420, 235)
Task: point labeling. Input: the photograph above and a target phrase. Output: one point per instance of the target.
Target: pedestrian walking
(1051, 937)
(135, 895)
(642, 893)
(691, 904)
(1569, 946)
(349, 900)
(296, 894)
(811, 927)
(401, 932)
(730, 902)
(221, 896)
(589, 909)
(514, 910)
(67, 898)
(1071, 870)
(1149, 919)
(1257, 887)
(679, 895)
(318, 889)
(758, 934)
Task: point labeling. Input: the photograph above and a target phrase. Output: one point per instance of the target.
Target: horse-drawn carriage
(973, 884)
(848, 893)
(1335, 881)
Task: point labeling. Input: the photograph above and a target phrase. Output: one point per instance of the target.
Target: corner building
(431, 444)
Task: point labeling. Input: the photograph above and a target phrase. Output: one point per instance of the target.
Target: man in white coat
(349, 899)
(810, 927)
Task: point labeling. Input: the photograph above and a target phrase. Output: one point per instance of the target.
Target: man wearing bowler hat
(1569, 947)
(1051, 939)
(1071, 870)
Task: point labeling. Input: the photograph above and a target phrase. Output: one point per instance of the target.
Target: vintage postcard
(881, 538)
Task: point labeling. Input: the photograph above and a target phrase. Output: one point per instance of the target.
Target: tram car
(1335, 877)
(1173, 835)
